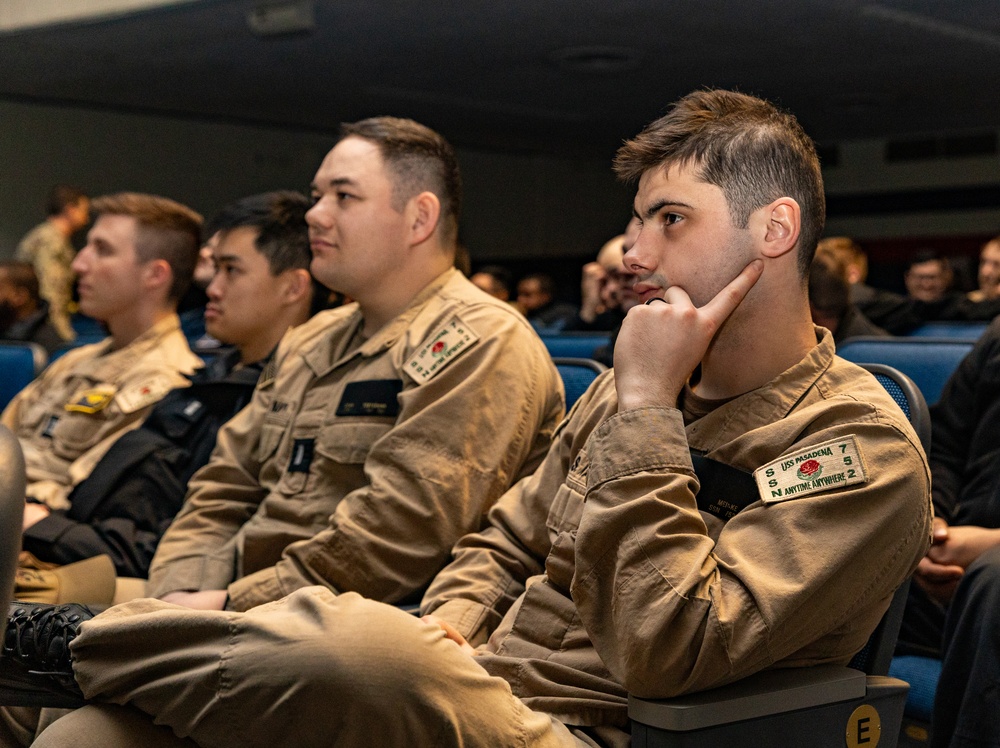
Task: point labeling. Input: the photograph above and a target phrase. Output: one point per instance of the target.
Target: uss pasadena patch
(440, 350)
(833, 464)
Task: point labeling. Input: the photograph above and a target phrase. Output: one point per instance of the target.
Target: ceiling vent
(282, 19)
(596, 60)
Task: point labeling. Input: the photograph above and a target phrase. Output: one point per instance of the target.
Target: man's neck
(125, 329)
(262, 345)
(751, 350)
(396, 294)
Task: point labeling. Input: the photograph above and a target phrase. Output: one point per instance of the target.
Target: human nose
(214, 289)
(81, 262)
(635, 260)
(318, 216)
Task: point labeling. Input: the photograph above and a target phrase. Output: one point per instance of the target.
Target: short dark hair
(167, 231)
(750, 149)
(280, 220)
(927, 254)
(420, 159)
(501, 276)
(545, 283)
(22, 275)
(61, 196)
(282, 233)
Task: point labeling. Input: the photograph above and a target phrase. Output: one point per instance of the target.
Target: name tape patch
(372, 397)
(833, 464)
(442, 348)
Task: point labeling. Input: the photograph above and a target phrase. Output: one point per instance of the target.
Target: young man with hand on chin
(613, 569)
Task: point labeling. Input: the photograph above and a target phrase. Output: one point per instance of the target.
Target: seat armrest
(761, 695)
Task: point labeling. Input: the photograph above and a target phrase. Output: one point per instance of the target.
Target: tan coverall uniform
(75, 410)
(51, 254)
(360, 463)
(597, 576)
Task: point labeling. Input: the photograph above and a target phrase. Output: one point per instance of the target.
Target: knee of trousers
(363, 650)
(982, 578)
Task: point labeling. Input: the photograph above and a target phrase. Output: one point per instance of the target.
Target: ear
(296, 286)
(778, 223)
(423, 213)
(158, 274)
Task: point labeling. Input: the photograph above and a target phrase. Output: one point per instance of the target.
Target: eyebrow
(233, 259)
(337, 182)
(659, 205)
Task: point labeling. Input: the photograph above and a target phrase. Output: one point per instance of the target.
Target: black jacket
(128, 501)
(36, 328)
(965, 445)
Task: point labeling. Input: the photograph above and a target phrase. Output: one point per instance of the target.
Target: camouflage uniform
(51, 254)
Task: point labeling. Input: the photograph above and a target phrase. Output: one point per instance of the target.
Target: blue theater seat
(929, 362)
(953, 330)
(575, 344)
(19, 364)
(577, 375)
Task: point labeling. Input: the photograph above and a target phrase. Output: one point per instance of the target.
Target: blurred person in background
(47, 247)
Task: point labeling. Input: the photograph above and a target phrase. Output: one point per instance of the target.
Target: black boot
(36, 661)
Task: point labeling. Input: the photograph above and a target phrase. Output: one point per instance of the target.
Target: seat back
(574, 344)
(929, 362)
(577, 375)
(19, 364)
(876, 655)
(12, 486)
(908, 397)
(954, 330)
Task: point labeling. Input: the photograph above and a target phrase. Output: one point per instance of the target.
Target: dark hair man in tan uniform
(385, 429)
(136, 265)
(608, 570)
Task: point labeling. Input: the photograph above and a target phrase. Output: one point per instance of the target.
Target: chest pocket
(76, 432)
(270, 438)
(350, 442)
(33, 416)
(335, 456)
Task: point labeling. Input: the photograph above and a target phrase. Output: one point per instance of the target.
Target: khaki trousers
(313, 669)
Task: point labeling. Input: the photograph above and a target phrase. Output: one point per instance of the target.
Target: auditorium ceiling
(570, 76)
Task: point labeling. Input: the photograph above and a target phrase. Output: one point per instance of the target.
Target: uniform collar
(108, 363)
(329, 354)
(766, 404)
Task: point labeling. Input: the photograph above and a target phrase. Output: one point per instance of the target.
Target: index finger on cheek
(726, 301)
